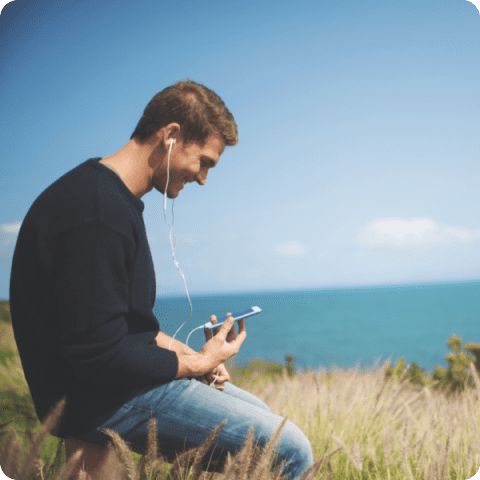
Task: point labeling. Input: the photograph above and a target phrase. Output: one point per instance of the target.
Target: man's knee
(261, 404)
(295, 448)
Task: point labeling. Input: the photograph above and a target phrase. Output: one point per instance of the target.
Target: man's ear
(170, 131)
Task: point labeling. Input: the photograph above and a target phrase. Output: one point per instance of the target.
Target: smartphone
(236, 316)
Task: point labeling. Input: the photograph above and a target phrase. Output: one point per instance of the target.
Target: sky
(357, 163)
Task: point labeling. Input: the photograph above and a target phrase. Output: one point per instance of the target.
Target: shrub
(260, 370)
(456, 377)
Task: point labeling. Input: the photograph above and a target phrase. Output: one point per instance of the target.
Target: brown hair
(198, 110)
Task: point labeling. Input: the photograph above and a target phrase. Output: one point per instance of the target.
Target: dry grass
(378, 428)
(252, 462)
(360, 425)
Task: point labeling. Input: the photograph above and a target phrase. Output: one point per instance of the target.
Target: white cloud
(8, 237)
(465, 235)
(11, 228)
(400, 232)
(290, 249)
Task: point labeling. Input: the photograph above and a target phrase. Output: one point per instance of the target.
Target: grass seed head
(203, 450)
(125, 453)
(268, 457)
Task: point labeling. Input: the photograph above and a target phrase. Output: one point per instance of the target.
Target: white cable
(173, 244)
(198, 328)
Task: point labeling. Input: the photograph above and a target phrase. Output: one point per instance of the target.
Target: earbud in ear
(172, 140)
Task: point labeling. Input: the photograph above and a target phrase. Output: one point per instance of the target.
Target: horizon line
(334, 287)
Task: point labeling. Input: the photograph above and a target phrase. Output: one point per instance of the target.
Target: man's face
(189, 163)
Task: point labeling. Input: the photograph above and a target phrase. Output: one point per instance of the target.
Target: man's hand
(219, 375)
(222, 346)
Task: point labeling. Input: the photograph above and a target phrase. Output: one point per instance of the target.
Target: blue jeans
(187, 411)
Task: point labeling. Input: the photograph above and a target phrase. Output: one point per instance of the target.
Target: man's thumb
(227, 325)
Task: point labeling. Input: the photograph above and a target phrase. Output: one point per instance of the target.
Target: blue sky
(358, 121)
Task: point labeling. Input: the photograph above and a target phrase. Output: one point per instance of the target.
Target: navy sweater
(81, 295)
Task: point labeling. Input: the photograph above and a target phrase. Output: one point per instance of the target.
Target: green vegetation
(5, 312)
(258, 371)
(390, 422)
(462, 372)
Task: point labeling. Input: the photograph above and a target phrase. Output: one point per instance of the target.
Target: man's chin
(172, 191)
(175, 192)
(172, 194)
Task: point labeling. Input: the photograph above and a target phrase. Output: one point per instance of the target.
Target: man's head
(198, 110)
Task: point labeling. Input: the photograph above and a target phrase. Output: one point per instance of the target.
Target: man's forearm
(163, 341)
(190, 363)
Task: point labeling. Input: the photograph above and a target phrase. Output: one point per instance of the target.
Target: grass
(361, 424)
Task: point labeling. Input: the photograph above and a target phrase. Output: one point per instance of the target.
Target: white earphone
(172, 141)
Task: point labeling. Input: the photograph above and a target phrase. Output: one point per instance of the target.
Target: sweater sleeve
(91, 285)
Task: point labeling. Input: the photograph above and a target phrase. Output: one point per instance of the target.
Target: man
(83, 288)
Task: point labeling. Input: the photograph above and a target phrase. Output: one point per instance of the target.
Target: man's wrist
(194, 365)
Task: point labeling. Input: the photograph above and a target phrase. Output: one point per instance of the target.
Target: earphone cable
(173, 244)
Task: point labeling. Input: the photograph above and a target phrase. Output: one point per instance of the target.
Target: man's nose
(201, 178)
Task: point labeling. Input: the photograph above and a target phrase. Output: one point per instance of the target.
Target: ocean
(344, 327)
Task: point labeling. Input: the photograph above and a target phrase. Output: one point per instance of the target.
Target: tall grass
(361, 424)
(374, 427)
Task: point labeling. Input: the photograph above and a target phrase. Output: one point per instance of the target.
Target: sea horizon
(181, 293)
(346, 326)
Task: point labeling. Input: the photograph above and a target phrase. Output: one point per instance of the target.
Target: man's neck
(134, 163)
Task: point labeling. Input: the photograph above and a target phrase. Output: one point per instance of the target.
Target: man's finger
(208, 332)
(226, 328)
(223, 373)
(241, 326)
(217, 377)
(231, 334)
(242, 333)
(228, 315)
(213, 319)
